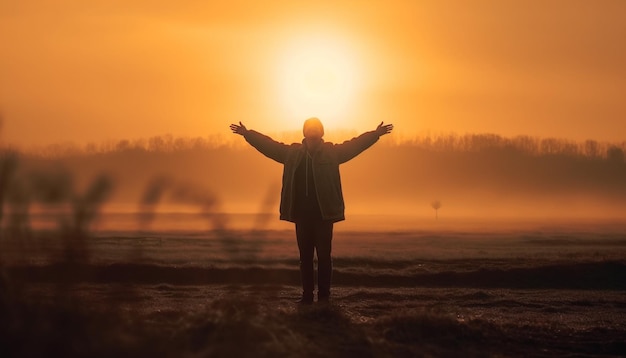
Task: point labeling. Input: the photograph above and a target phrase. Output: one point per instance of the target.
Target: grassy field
(443, 291)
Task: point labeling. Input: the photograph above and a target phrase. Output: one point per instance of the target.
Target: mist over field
(472, 176)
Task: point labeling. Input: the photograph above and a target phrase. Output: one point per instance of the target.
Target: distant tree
(550, 146)
(526, 144)
(200, 143)
(615, 155)
(122, 146)
(90, 148)
(592, 150)
(181, 144)
(436, 205)
(156, 144)
(569, 148)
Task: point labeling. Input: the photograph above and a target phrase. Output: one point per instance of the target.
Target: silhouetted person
(311, 194)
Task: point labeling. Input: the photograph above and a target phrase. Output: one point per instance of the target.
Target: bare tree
(436, 205)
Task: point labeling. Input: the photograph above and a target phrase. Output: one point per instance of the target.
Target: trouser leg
(306, 246)
(323, 244)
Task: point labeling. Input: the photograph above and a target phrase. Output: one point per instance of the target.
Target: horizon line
(213, 140)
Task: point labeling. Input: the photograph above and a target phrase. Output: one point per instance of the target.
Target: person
(311, 195)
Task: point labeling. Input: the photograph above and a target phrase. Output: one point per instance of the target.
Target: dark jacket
(326, 160)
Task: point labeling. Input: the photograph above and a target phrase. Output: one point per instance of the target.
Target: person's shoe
(305, 301)
(323, 299)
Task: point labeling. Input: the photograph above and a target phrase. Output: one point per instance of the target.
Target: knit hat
(313, 128)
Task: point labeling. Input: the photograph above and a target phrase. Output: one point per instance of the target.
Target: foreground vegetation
(261, 321)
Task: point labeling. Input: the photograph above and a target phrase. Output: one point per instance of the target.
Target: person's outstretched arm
(353, 147)
(264, 144)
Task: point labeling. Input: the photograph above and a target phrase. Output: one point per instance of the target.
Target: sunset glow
(80, 72)
(318, 77)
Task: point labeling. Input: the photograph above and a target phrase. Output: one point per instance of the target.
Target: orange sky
(74, 70)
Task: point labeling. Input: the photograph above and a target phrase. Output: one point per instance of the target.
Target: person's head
(313, 128)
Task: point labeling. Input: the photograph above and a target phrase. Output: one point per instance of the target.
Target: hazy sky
(75, 70)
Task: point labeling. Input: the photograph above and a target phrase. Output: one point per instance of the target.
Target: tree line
(484, 142)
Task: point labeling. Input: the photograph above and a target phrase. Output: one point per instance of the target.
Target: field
(424, 289)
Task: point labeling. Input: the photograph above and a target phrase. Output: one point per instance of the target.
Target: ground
(530, 292)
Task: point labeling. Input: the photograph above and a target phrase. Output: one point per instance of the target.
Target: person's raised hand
(239, 129)
(384, 129)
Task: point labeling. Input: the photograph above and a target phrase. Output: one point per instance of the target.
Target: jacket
(326, 160)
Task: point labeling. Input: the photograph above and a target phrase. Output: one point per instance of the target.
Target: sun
(318, 77)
